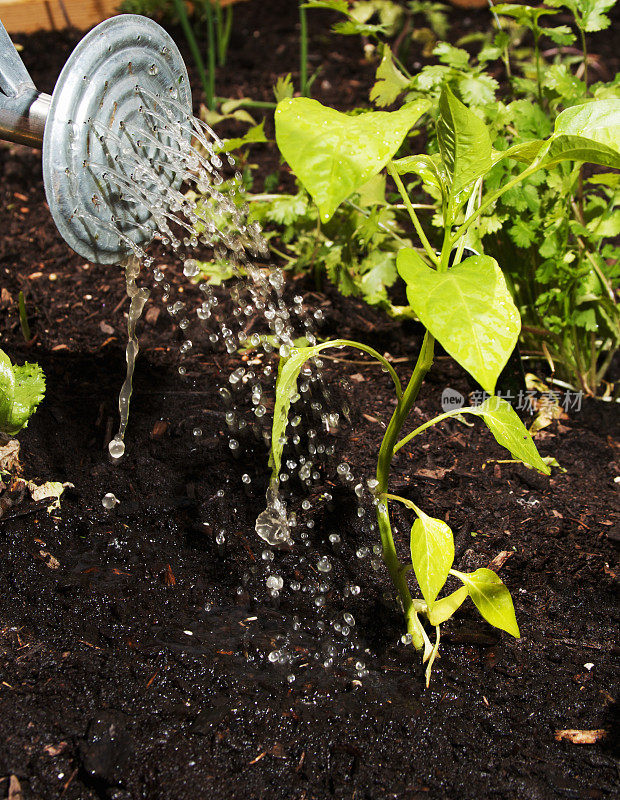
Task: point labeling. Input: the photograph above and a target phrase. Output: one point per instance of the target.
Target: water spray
(121, 70)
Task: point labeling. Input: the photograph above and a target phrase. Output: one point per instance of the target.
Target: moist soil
(104, 694)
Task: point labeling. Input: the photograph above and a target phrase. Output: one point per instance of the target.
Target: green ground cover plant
(21, 390)
(464, 304)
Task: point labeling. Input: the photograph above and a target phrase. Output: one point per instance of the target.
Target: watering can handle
(23, 110)
(14, 76)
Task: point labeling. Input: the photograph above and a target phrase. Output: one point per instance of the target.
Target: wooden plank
(26, 16)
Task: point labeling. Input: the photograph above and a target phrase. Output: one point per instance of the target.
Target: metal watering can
(121, 68)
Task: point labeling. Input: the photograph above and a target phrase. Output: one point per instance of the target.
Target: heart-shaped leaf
(334, 154)
(464, 141)
(491, 598)
(432, 554)
(468, 309)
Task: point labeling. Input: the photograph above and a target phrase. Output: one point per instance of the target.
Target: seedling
(464, 304)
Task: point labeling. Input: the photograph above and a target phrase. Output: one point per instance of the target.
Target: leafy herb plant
(465, 305)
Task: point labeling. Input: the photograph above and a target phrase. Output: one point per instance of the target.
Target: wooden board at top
(26, 16)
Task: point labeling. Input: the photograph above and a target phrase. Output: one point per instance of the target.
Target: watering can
(120, 69)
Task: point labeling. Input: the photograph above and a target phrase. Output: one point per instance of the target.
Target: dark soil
(104, 695)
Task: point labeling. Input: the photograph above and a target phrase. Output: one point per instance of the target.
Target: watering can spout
(121, 75)
(23, 110)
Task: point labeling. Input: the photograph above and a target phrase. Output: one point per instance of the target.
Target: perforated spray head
(99, 112)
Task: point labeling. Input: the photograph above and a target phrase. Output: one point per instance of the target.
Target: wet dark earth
(134, 647)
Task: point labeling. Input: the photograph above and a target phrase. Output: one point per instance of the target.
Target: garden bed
(104, 694)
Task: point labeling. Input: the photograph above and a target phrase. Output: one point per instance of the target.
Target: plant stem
(248, 103)
(538, 71)
(414, 217)
(224, 29)
(211, 55)
(179, 6)
(492, 198)
(584, 49)
(606, 363)
(303, 52)
(386, 454)
(23, 318)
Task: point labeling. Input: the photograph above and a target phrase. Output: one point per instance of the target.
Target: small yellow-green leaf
(254, 135)
(524, 152)
(7, 389)
(508, 430)
(443, 609)
(492, 599)
(432, 554)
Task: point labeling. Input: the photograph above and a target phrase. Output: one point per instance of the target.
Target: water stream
(208, 221)
(137, 300)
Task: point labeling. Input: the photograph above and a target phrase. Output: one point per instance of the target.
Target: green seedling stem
(23, 318)
(211, 54)
(195, 50)
(384, 463)
(303, 51)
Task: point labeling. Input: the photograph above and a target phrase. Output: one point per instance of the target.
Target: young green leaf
(254, 135)
(432, 554)
(283, 88)
(491, 598)
(468, 309)
(524, 152)
(464, 141)
(334, 154)
(589, 14)
(443, 609)
(504, 424)
(587, 132)
(508, 430)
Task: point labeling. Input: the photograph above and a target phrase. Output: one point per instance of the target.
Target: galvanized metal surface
(98, 100)
(98, 109)
(23, 110)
